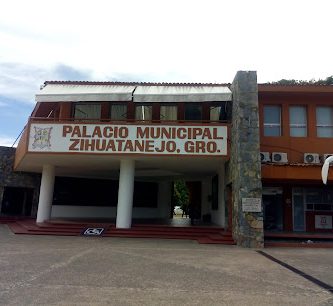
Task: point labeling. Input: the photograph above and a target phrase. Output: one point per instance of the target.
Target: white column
(125, 194)
(46, 194)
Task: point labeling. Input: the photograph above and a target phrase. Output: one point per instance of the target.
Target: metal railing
(106, 120)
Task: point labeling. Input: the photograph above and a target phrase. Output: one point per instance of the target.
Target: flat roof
(297, 88)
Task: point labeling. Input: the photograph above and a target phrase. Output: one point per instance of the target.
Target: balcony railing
(124, 121)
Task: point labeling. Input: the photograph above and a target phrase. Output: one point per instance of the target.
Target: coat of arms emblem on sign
(42, 138)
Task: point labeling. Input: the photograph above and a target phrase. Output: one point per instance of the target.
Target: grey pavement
(50, 270)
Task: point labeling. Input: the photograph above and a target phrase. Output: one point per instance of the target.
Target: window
(272, 120)
(310, 199)
(324, 116)
(145, 194)
(193, 111)
(118, 111)
(89, 111)
(298, 121)
(218, 112)
(85, 192)
(143, 112)
(319, 199)
(168, 112)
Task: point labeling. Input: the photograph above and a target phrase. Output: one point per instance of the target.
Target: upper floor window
(193, 111)
(218, 112)
(118, 111)
(143, 112)
(298, 121)
(324, 117)
(168, 112)
(89, 111)
(272, 120)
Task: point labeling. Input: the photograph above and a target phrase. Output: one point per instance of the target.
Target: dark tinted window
(193, 111)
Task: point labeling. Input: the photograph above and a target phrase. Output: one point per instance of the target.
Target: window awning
(75, 93)
(182, 93)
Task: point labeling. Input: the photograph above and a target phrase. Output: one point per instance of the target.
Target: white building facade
(113, 151)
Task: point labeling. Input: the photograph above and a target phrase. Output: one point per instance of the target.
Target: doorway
(180, 200)
(194, 189)
(17, 201)
(186, 201)
(273, 209)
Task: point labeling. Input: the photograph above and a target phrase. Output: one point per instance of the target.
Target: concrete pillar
(221, 187)
(46, 194)
(125, 193)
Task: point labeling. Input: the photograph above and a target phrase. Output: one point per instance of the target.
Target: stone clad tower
(245, 166)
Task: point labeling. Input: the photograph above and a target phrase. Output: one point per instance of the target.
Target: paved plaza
(50, 270)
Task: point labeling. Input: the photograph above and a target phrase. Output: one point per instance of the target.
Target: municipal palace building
(250, 155)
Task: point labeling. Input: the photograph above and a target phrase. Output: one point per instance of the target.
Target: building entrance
(187, 201)
(17, 201)
(273, 209)
(194, 189)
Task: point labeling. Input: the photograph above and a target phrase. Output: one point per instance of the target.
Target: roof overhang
(71, 92)
(181, 94)
(297, 88)
(76, 93)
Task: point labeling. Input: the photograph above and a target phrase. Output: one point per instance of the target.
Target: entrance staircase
(202, 234)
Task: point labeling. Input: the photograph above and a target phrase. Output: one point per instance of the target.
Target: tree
(327, 81)
(181, 194)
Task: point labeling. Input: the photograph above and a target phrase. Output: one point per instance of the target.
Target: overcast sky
(164, 41)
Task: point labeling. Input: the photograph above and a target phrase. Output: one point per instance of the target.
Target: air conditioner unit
(265, 157)
(279, 157)
(326, 155)
(311, 158)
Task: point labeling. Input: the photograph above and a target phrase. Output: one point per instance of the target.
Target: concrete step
(206, 240)
(220, 238)
(280, 244)
(202, 235)
(148, 235)
(292, 235)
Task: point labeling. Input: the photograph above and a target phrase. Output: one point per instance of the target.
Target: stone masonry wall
(245, 168)
(9, 178)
